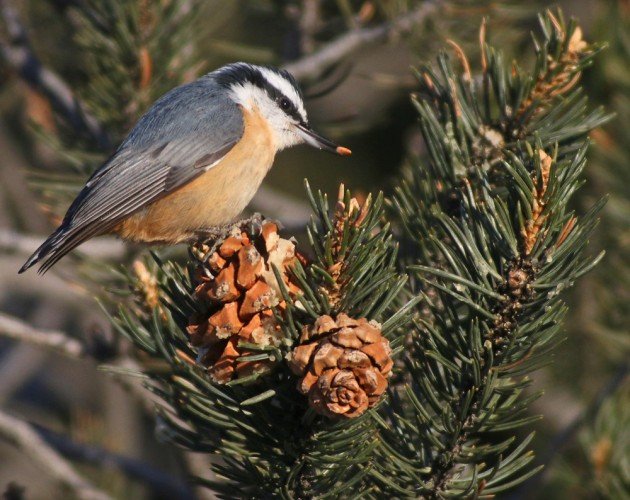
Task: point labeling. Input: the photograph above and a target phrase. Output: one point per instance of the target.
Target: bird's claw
(251, 225)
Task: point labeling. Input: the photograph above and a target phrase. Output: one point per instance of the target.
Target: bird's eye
(285, 104)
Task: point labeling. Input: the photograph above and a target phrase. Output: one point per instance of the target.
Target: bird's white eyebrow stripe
(284, 87)
(274, 82)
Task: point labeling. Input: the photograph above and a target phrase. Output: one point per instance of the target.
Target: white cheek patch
(251, 97)
(244, 94)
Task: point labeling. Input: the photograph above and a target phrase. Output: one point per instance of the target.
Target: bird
(191, 163)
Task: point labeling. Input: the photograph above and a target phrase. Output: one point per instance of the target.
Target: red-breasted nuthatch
(191, 163)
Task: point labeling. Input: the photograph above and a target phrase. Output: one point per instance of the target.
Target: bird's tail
(45, 249)
(54, 248)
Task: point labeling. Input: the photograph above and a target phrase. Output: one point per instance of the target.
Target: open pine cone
(237, 288)
(344, 365)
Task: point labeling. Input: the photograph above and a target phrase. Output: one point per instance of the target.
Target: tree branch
(26, 439)
(19, 55)
(16, 329)
(160, 482)
(60, 342)
(312, 66)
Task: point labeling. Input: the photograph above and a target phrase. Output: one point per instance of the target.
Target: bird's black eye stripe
(287, 106)
(238, 73)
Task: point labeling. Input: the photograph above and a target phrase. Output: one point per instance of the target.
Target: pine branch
(492, 242)
(26, 439)
(155, 43)
(265, 432)
(495, 243)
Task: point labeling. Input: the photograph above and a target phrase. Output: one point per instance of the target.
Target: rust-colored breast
(212, 199)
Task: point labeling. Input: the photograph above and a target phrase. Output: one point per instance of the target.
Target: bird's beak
(317, 141)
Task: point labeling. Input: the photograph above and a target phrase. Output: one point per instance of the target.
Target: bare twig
(19, 55)
(16, 329)
(312, 66)
(159, 481)
(26, 439)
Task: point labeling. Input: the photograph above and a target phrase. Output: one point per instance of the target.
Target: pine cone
(344, 365)
(237, 288)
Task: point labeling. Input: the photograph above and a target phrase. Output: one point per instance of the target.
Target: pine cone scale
(250, 266)
(326, 356)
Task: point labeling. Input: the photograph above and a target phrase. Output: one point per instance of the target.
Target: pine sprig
(154, 44)
(494, 243)
(353, 269)
(468, 122)
(266, 438)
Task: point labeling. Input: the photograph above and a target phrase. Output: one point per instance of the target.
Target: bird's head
(277, 96)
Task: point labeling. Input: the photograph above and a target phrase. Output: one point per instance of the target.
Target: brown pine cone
(344, 365)
(237, 288)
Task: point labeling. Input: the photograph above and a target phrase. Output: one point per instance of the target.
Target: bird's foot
(251, 225)
(212, 237)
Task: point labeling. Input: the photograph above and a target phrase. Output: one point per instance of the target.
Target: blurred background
(76, 74)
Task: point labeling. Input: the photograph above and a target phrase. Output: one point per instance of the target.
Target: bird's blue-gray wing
(186, 132)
